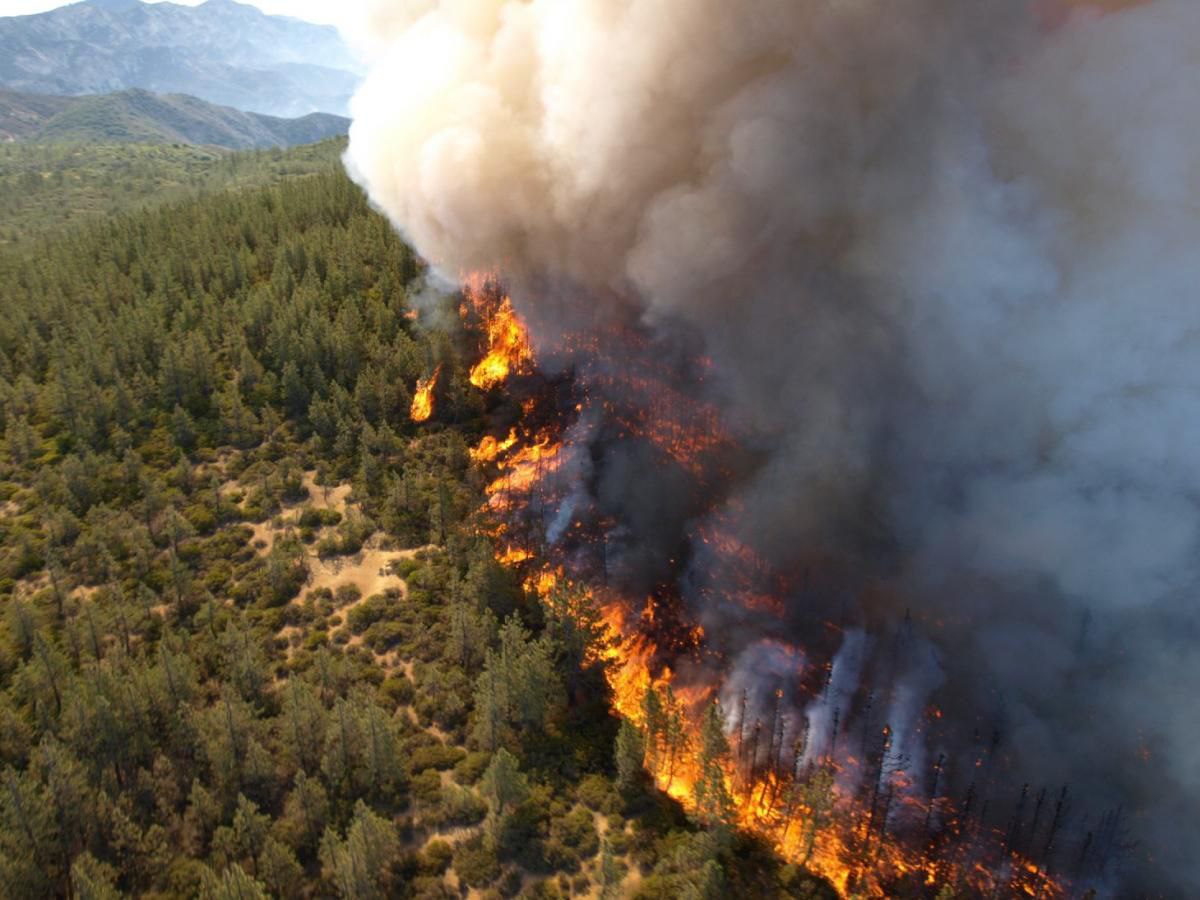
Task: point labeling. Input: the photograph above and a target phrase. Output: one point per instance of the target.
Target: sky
(322, 11)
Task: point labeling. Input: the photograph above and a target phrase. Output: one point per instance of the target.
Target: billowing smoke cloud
(943, 257)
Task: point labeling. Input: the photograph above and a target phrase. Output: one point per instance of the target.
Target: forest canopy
(252, 643)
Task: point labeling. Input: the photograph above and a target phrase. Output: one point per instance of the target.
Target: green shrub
(510, 882)
(347, 594)
(438, 757)
(427, 787)
(312, 517)
(293, 487)
(475, 863)
(435, 858)
(577, 830)
(367, 613)
(546, 889)
(618, 841)
(315, 640)
(384, 636)
(596, 792)
(397, 690)
(405, 567)
(430, 887)
(201, 518)
(471, 767)
(463, 806)
(457, 806)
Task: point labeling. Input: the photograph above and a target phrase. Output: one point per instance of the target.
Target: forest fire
(843, 804)
(508, 349)
(523, 471)
(824, 322)
(490, 448)
(422, 402)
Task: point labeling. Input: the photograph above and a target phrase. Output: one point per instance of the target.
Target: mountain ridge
(143, 117)
(220, 51)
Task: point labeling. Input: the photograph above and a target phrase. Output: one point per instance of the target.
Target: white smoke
(945, 263)
(827, 713)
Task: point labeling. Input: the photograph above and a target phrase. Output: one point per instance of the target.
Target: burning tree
(841, 802)
(422, 402)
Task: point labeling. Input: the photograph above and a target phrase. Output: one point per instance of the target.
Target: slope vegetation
(49, 187)
(137, 116)
(251, 642)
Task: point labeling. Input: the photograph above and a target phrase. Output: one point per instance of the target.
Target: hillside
(221, 51)
(49, 187)
(22, 115)
(253, 642)
(137, 116)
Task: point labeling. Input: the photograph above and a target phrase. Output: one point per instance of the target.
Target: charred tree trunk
(1014, 827)
(877, 786)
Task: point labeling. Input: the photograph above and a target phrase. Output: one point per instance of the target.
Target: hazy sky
(312, 10)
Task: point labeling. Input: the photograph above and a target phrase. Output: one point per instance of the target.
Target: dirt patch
(369, 570)
(326, 497)
(265, 533)
(232, 486)
(336, 498)
(84, 593)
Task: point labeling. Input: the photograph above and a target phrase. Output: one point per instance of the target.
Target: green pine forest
(251, 642)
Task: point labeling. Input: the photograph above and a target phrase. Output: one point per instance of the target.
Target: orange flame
(508, 348)
(490, 448)
(422, 402)
(523, 471)
(511, 555)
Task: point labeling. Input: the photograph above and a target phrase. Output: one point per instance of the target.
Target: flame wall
(941, 258)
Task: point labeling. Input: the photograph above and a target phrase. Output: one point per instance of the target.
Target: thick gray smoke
(944, 259)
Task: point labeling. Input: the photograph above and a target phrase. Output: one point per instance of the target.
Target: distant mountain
(221, 51)
(137, 116)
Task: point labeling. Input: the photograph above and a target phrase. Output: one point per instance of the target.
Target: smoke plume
(942, 256)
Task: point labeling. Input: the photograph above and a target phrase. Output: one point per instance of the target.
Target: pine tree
(816, 797)
(611, 875)
(503, 785)
(232, 884)
(519, 688)
(92, 879)
(278, 869)
(359, 867)
(675, 736)
(714, 806)
(630, 756)
(656, 726)
(711, 884)
(491, 716)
